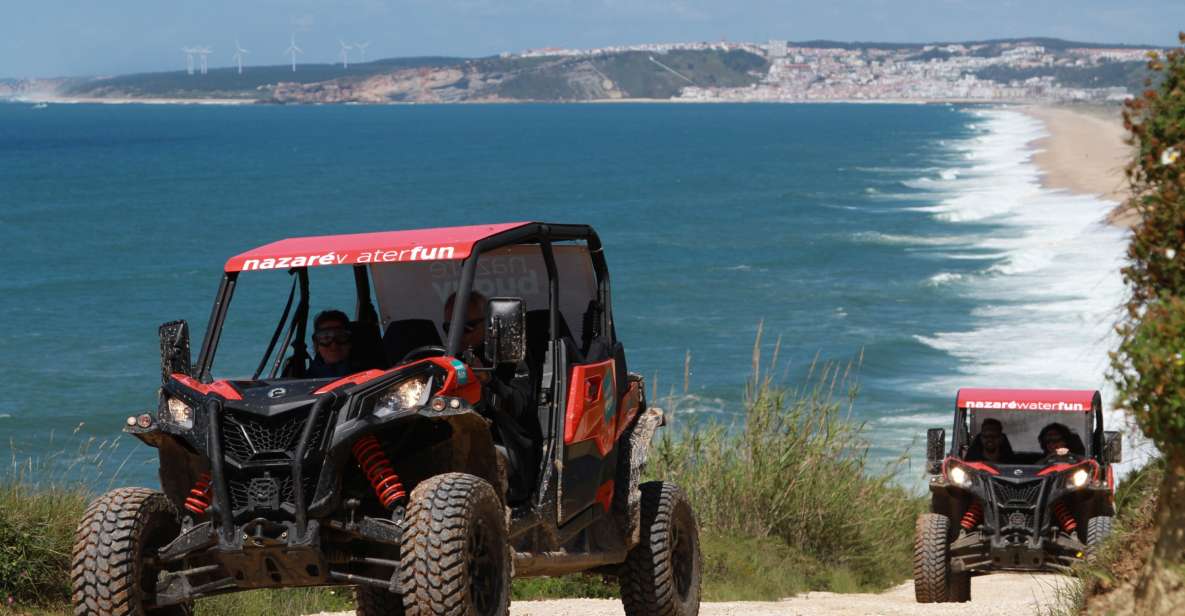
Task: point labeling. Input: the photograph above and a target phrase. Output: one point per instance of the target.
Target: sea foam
(1048, 301)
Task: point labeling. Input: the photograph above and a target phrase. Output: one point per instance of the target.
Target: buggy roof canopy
(444, 243)
(1069, 400)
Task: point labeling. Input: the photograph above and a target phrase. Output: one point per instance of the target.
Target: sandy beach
(1085, 153)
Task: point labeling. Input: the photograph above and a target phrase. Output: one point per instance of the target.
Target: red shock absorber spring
(973, 516)
(1069, 524)
(378, 471)
(199, 495)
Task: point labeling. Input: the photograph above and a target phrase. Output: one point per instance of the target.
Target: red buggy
(1027, 484)
(394, 478)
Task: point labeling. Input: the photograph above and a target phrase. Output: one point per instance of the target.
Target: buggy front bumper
(267, 554)
(977, 551)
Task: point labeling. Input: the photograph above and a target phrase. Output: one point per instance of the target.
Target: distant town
(915, 73)
(1010, 71)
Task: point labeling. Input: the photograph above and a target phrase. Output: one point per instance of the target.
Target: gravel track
(1002, 594)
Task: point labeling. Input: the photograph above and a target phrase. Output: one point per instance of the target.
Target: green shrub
(1148, 367)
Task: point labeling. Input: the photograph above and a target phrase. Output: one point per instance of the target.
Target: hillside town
(950, 72)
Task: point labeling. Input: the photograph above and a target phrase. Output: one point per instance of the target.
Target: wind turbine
(292, 51)
(239, 52)
(362, 48)
(204, 52)
(345, 53)
(188, 51)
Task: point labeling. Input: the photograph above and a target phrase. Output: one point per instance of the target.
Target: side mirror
(506, 331)
(174, 349)
(935, 449)
(1112, 446)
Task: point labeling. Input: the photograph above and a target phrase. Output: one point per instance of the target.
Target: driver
(505, 395)
(991, 445)
(331, 344)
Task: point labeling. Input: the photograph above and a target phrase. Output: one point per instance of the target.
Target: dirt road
(1008, 594)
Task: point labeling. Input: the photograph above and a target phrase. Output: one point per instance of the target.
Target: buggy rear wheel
(661, 575)
(374, 601)
(932, 580)
(114, 570)
(455, 557)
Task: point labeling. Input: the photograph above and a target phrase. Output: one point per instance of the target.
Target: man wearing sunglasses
(331, 344)
(505, 398)
(473, 338)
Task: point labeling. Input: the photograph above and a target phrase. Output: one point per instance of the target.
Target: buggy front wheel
(1098, 528)
(932, 579)
(113, 571)
(455, 553)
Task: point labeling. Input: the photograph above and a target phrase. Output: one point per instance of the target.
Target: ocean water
(916, 240)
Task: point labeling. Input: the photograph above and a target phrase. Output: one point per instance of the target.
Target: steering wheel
(428, 350)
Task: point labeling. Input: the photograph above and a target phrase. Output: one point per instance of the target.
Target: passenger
(331, 344)
(991, 444)
(1058, 442)
(505, 396)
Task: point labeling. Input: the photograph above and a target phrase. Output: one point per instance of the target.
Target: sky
(48, 38)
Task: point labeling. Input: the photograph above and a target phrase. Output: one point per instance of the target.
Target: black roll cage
(543, 234)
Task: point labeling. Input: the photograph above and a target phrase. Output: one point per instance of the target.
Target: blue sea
(915, 242)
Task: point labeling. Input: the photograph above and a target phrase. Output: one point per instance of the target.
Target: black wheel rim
(159, 532)
(682, 553)
(483, 570)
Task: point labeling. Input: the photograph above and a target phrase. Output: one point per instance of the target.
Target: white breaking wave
(875, 237)
(942, 278)
(1048, 303)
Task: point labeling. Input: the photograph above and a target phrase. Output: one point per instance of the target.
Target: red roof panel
(1071, 400)
(444, 243)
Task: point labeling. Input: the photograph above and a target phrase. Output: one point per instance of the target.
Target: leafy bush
(1148, 366)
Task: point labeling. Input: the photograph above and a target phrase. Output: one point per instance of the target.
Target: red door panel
(592, 406)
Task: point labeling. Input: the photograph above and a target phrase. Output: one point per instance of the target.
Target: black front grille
(1023, 493)
(246, 437)
(260, 449)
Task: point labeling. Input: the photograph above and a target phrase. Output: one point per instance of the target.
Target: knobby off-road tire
(455, 560)
(661, 575)
(111, 574)
(932, 579)
(1098, 529)
(373, 601)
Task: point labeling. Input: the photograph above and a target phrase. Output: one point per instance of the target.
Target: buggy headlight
(959, 476)
(404, 395)
(176, 413)
(1077, 479)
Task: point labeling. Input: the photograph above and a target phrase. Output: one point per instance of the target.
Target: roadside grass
(36, 537)
(284, 602)
(796, 468)
(40, 504)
